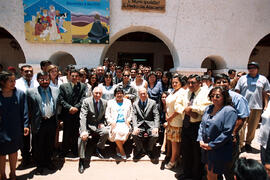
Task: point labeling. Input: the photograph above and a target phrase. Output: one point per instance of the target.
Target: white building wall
(192, 30)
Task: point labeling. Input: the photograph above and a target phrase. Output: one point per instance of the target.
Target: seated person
(92, 121)
(118, 115)
(145, 123)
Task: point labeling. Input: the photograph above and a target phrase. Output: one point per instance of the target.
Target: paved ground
(112, 170)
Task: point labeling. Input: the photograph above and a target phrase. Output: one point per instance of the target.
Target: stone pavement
(114, 170)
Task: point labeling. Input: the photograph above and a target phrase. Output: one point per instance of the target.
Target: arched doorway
(214, 63)
(141, 48)
(62, 59)
(11, 53)
(261, 54)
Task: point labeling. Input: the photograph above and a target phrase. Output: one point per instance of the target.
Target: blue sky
(80, 6)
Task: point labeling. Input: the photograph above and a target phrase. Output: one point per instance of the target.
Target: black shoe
(248, 148)
(181, 177)
(150, 154)
(39, 171)
(98, 153)
(81, 166)
(139, 155)
(51, 166)
(62, 155)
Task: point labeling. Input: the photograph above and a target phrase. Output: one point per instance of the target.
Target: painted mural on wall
(67, 21)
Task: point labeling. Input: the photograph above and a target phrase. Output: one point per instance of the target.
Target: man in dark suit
(145, 123)
(70, 98)
(42, 101)
(92, 121)
(100, 74)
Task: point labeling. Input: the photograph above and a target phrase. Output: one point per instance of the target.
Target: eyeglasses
(191, 82)
(224, 81)
(44, 79)
(108, 77)
(215, 95)
(93, 78)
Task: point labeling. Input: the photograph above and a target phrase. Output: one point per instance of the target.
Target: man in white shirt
(24, 83)
(253, 87)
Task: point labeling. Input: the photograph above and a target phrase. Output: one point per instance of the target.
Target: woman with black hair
(118, 114)
(154, 87)
(107, 87)
(174, 117)
(92, 80)
(13, 122)
(249, 169)
(215, 132)
(166, 81)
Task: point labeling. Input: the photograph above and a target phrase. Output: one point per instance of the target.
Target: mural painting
(67, 21)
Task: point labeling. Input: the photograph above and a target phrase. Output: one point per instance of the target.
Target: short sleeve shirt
(251, 88)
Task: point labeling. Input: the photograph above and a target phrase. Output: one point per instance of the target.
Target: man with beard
(42, 102)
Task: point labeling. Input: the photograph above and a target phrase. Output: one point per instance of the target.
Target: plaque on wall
(144, 5)
(67, 21)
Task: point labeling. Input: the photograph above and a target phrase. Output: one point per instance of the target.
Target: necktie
(186, 121)
(143, 105)
(47, 108)
(96, 106)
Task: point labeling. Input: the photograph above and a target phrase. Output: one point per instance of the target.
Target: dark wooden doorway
(145, 59)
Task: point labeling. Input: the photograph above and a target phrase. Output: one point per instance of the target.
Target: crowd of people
(199, 121)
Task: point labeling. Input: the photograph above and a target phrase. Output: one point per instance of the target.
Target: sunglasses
(215, 95)
(126, 75)
(139, 73)
(252, 67)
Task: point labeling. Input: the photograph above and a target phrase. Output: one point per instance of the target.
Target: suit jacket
(149, 115)
(34, 100)
(89, 118)
(112, 113)
(71, 97)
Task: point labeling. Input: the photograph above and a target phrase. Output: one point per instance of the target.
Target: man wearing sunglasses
(129, 90)
(253, 87)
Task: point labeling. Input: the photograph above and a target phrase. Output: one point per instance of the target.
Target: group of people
(199, 120)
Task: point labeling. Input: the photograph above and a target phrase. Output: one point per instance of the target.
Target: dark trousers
(191, 152)
(151, 142)
(43, 142)
(70, 135)
(25, 150)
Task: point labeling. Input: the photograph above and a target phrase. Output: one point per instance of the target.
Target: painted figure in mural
(45, 19)
(98, 31)
(60, 21)
(54, 32)
(38, 27)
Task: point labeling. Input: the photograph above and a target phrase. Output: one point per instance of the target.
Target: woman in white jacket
(118, 114)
